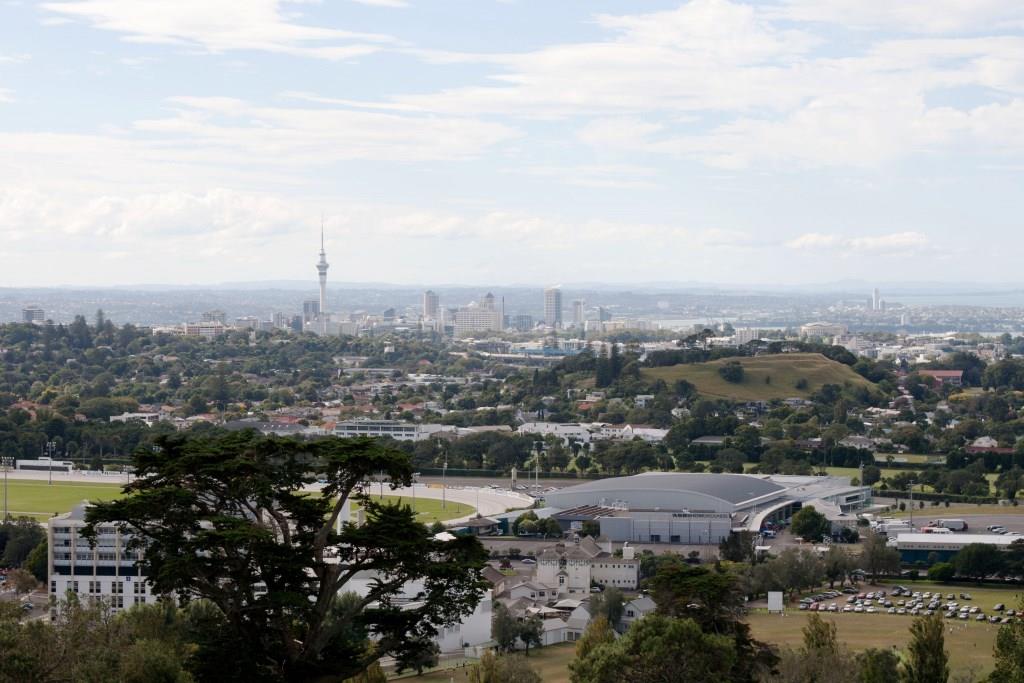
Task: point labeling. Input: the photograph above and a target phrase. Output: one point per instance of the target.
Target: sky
(518, 141)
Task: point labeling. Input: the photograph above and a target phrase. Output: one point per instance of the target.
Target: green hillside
(782, 371)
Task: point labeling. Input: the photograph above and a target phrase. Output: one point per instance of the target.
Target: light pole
(6, 463)
(51, 447)
(444, 486)
(912, 503)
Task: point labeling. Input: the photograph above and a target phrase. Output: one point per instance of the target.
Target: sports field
(41, 501)
(765, 377)
(429, 510)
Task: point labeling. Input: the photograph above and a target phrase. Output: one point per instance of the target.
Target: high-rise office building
(310, 310)
(875, 300)
(215, 316)
(431, 305)
(578, 306)
(32, 314)
(553, 306)
(481, 316)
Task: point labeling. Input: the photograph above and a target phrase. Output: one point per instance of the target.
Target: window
(94, 588)
(73, 586)
(140, 588)
(117, 602)
(140, 599)
(117, 588)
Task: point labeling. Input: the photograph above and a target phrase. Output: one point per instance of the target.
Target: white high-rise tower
(321, 269)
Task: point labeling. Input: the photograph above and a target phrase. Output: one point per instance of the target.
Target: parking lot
(989, 605)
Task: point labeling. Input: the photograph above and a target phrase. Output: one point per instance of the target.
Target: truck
(893, 528)
(951, 524)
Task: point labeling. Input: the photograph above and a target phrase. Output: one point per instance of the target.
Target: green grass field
(782, 371)
(429, 510)
(961, 509)
(552, 663)
(969, 643)
(41, 501)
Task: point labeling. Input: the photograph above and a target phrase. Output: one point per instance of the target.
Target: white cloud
(911, 16)
(897, 241)
(892, 243)
(220, 26)
(219, 128)
(813, 240)
(383, 3)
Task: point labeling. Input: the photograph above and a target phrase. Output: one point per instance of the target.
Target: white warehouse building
(697, 508)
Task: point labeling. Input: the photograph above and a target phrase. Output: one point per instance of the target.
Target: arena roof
(734, 488)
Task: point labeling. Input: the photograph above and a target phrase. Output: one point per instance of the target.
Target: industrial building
(928, 548)
(698, 508)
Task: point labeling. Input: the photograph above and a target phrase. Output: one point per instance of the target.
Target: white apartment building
(566, 431)
(207, 330)
(107, 571)
(746, 335)
(400, 431)
(482, 316)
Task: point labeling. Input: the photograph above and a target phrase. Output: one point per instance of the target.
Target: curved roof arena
(671, 491)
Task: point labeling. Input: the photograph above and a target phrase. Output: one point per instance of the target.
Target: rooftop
(734, 488)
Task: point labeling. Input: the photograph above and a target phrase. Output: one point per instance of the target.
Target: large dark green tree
(712, 598)
(230, 519)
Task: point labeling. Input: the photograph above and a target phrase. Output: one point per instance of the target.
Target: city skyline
(780, 142)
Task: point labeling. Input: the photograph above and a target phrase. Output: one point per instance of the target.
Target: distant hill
(783, 370)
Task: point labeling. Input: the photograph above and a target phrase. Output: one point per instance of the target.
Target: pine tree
(927, 659)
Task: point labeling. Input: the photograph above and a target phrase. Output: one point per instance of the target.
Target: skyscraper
(310, 310)
(577, 312)
(431, 305)
(875, 300)
(553, 306)
(321, 269)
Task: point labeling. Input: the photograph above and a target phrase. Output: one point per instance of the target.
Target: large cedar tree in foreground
(218, 517)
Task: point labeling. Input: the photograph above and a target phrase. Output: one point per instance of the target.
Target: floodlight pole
(5, 462)
(912, 503)
(51, 446)
(444, 486)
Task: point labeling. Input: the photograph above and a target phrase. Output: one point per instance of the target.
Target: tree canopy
(231, 519)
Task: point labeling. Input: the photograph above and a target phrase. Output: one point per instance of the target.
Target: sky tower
(321, 269)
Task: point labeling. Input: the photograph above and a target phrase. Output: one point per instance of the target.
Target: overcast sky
(525, 141)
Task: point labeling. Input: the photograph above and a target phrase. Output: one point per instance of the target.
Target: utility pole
(6, 463)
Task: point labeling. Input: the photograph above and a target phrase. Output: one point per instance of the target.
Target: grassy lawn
(969, 643)
(41, 501)
(908, 458)
(957, 510)
(552, 663)
(855, 472)
(765, 377)
(428, 510)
